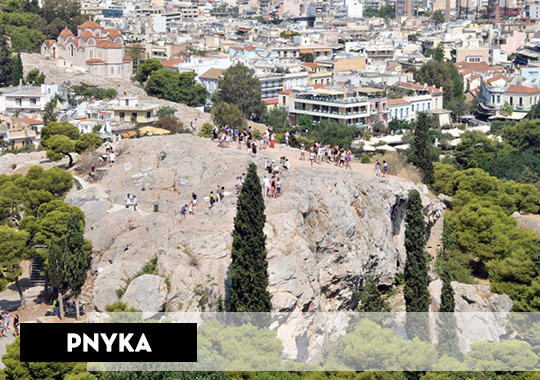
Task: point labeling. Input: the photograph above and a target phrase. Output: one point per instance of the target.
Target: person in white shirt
(127, 201)
(287, 138)
(266, 183)
(134, 202)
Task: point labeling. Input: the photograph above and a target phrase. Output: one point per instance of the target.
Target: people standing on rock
(272, 140)
(287, 138)
(194, 199)
(385, 169)
(302, 153)
(240, 140)
(287, 164)
(112, 157)
(212, 199)
(127, 247)
(254, 148)
(2, 326)
(134, 202)
(127, 201)
(16, 323)
(214, 133)
(239, 184)
(56, 307)
(92, 173)
(190, 208)
(278, 188)
(378, 168)
(107, 146)
(348, 159)
(312, 155)
(183, 210)
(266, 184)
(7, 319)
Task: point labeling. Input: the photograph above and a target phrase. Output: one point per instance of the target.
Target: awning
(128, 135)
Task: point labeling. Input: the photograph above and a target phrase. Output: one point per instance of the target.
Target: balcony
(333, 115)
(312, 99)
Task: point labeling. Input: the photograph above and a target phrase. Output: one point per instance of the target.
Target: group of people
(5, 324)
(246, 139)
(111, 156)
(189, 208)
(384, 169)
(319, 153)
(131, 200)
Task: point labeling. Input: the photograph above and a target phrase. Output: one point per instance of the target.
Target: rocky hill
(328, 230)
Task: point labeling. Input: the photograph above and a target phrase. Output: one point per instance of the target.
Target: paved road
(9, 337)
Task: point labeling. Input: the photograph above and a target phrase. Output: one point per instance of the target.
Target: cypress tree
(6, 62)
(370, 298)
(416, 269)
(422, 154)
(48, 113)
(17, 72)
(56, 271)
(448, 338)
(76, 259)
(249, 268)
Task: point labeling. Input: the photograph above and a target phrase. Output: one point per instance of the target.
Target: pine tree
(56, 271)
(416, 269)
(370, 298)
(448, 338)
(76, 259)
(249, 268)
(422, 154)
(17, 72)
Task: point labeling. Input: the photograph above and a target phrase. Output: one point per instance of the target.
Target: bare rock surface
(324, 234)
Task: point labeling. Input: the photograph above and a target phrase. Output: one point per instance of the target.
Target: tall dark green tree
(416, 269)
(76, 260)
(422, 154)
(55, 270)
(370, 298)
(249, 268)
(17, 73)
(239, 86)
(49, 115)
(448, 338)
(6, 62)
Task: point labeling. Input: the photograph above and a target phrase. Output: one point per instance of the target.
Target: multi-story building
(327, 104)
(28, 98)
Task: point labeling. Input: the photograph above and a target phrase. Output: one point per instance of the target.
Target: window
(33, 102)
(91, 54)
(520, 101)
(148, 115)
(436, 103)
(122, 116)
(112, 70)
(429, 106)
(134, 114)
(511, 100)
(18, 102)
(498, 98)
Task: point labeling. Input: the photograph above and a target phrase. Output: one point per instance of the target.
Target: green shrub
(206, 130)
(365, 159)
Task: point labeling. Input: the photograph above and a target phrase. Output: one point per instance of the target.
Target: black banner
(109, 342)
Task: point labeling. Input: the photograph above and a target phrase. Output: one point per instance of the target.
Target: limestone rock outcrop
(328, 230)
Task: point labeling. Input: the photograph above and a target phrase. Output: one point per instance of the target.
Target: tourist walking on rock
(2, 327)
(194, 199)
(302, 153)
(190, 208)
(134, 201)
(311, 155)
(385, 169)
(348, 159)
(278, 187)
(378, 169)
(7, 319)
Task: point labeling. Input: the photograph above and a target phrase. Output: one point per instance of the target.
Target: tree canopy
(177, 87)
(239, 86)
(227, 115)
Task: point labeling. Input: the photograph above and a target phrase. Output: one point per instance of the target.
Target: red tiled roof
(311, 65)
(126, 59)
(287, 92)
(319, 85)
(394, 102)
(27, 120)
(499, 76)
(516, 89)
(113, 33)
(66, 33)
(172, 63)
(94, 60)
(86, 35)
(271, 101)
(90, 25)
(108, 44)
(212, 74)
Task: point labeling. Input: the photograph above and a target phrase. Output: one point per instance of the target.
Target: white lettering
(143, 345)
(73, 341)
(94, 343)
(109, 341)
(124, 342)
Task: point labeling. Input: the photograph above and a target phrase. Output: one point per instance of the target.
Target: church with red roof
(98, 50)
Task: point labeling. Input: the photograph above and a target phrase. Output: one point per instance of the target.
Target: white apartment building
(28, 98)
